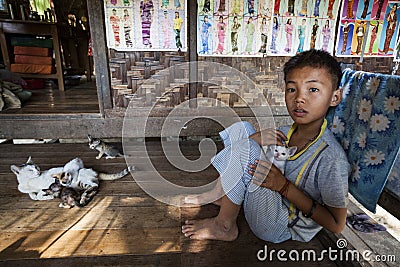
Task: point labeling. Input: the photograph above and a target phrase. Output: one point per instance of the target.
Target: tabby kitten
(54, 189)
(109, 150)
(69, 197)
(87, 181)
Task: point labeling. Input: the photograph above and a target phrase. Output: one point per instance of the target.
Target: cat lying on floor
(73, 175)
(31, 180)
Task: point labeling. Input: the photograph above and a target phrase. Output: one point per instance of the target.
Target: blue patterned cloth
(367, 124)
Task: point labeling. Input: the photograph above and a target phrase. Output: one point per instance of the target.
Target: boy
(314, 192)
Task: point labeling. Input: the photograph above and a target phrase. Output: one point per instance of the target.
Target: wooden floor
(79, 99)
(122, 226)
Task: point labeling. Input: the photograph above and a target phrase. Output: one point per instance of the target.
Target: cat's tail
(115, 176)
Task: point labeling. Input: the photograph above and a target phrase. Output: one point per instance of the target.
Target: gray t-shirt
(326, 182)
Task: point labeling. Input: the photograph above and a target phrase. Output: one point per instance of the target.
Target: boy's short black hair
(315, 59)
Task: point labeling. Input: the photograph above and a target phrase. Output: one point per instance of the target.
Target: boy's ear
(336, 97)
(292, 150)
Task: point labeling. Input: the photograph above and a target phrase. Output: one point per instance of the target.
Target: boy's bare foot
(210, 228)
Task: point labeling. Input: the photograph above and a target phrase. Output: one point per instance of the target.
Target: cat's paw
(98, 157)
(33, 196)
(43, 197)
(131, 168)
(83, 202)
(65, 206)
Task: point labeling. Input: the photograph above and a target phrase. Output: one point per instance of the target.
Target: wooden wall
(253, 67)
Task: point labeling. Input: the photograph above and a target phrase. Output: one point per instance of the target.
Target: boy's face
(309, 93)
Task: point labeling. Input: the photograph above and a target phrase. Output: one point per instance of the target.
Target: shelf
(8, 26)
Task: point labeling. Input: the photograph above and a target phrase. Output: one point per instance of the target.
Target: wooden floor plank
(122, 260)
(90, 159)
(138, 199)
(185, 146)
(95, 242)
(190, 178)
(102, 166)
(94, 217)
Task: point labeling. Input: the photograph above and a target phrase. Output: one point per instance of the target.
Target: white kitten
(279, 154)
(72, 168)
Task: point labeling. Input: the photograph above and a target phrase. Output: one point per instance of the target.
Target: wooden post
(147, 69)
(100, 55)
(192, 30)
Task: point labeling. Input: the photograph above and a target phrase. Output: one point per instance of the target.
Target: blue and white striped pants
(264, 210)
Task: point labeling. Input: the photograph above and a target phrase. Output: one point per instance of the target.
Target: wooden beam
(390, 202)
(100, 52)
(78, 126)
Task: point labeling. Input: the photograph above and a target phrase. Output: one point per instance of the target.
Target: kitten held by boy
(312, 192)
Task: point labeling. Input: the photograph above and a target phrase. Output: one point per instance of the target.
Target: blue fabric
(367, 124)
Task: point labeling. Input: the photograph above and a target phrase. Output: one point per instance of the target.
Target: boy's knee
(255, 150)
(245, 123)
(248, 151)
(245, 127)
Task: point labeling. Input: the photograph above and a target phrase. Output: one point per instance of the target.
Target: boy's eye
(290, 90)
(314, 90)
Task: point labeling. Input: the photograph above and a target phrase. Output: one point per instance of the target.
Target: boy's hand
(269, 137)
(266, 174)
